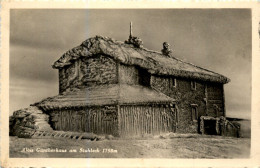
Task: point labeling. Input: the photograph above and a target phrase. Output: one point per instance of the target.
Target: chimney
(166, 49)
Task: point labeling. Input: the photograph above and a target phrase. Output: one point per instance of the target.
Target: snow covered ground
(165, 146)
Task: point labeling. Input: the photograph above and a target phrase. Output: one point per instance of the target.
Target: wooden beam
(206, 96)
(224, 106)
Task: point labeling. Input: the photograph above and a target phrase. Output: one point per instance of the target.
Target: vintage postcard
(89, 85)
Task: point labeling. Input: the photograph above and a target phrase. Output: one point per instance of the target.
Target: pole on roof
(131, 30)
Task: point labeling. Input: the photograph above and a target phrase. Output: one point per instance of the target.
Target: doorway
(210, 127)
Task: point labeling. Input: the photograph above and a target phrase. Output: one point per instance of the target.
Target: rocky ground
(164, 146)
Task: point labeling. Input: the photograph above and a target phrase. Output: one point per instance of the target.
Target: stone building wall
(128, 74)
(67, 76)
(93, 71)
(100, 70)
(207, 97)
(97, 71)
(215, 100)
(186, 97)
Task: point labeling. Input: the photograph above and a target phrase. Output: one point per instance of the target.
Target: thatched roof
(154, 62)
(104, 95)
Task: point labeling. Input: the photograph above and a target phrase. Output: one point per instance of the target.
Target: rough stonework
(128, 74)
(26, 121)
(85, 72)
(97, 71)
(185, 97)
(215, 96)
(208, 97)
(67, 77)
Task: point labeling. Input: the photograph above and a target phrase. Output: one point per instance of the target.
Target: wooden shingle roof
(104, 95)
(154, 62)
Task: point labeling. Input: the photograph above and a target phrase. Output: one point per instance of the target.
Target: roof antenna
(130, 36)
(136, 41)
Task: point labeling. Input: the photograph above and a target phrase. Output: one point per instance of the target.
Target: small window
(194, 112)
(174, 82)
(173, 106)
(193, 85)
(216, 109)
(175, 111)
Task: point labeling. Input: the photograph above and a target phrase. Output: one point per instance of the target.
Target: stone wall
(67, 76)
(93, 71)
(23, 123)
(215, 99)
(100, 70)
(185, 97)
(128, 74)
(97, 71)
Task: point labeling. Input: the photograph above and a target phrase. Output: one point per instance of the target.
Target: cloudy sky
(216, 39)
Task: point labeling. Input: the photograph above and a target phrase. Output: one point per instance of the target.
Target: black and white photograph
(130, 83)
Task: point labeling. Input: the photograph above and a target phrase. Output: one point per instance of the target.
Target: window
(144, 78)
(193, 85)
(175, 111)
(174, 82)
(216, 109)
(194, 112)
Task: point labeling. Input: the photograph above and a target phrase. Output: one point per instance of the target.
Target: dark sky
(215, 39)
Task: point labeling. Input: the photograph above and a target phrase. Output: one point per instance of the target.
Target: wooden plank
(143, 130)
(130, 120)
(138, 121)
(127, 120)
(123, 119)
(68, 116)
(160, 121)
(153, 115)
(144, 121)
(223, 99)
(99, 121)
(133, 118)
(88, 121)
(150, 120)
(61, 123)
(135, 121)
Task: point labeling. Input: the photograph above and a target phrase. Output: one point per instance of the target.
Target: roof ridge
(154, 61)
(145, 49)
(125, 44)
